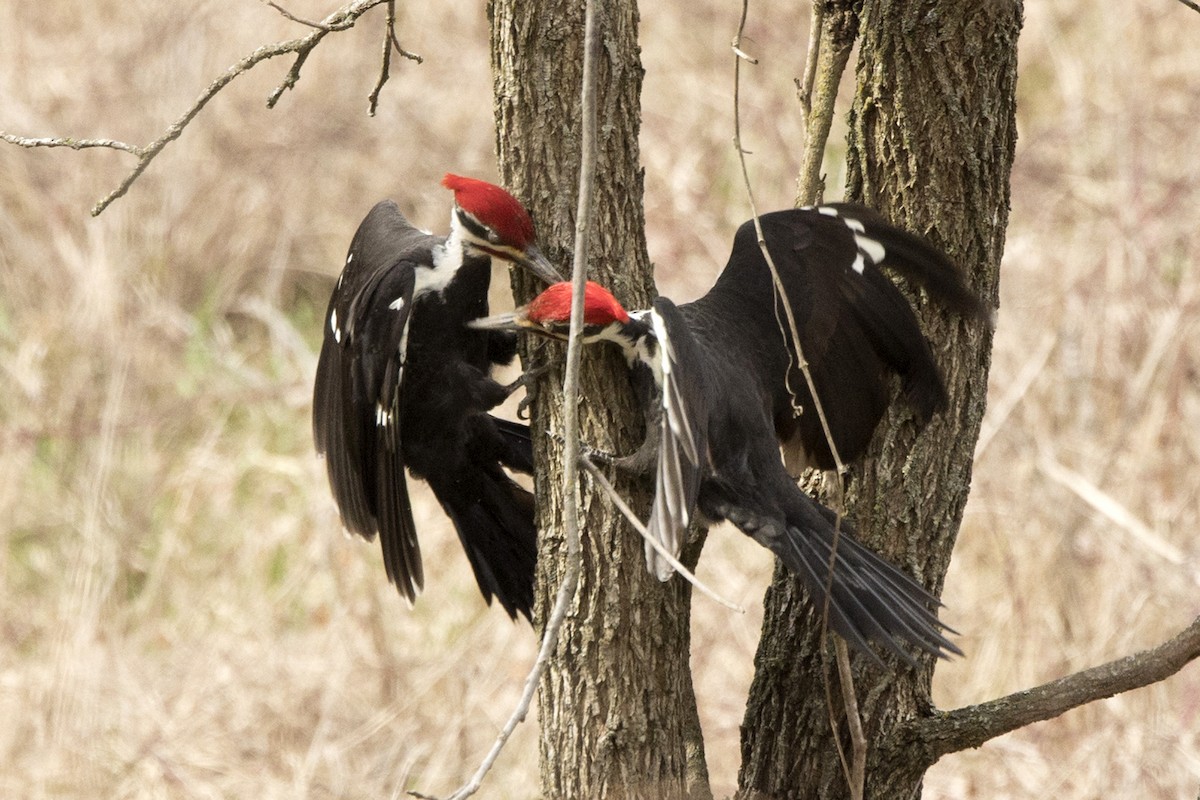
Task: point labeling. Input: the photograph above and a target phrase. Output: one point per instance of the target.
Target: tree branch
(834, 29)
(971, 726)
(340, 20)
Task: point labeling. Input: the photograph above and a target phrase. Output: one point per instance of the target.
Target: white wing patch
(383, 417)
(868, 248)
(333, 327)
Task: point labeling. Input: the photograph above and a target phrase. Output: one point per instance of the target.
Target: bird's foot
(527, 379)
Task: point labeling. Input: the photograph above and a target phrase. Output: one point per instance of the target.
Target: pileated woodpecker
(402, 382)
(721, 387)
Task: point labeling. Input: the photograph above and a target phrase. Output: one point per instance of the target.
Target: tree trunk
(931, 145)
(617, 711)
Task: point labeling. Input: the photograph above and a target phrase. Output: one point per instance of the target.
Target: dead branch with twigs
(340, 20)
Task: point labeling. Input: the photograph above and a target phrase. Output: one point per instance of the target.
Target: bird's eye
(493, 237)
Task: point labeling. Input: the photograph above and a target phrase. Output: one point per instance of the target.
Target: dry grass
(181, 617)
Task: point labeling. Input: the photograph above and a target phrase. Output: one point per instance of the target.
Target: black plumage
(402, 382)
(720, 383)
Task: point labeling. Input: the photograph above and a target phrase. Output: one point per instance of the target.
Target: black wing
(683, 434)
(882, 312)
(855, 327)
(356, 397)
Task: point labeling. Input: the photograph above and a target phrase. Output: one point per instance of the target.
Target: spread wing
(356, 397)
(856, 327)
(683, 434)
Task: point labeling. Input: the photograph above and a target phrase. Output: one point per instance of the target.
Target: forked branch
(389, 42)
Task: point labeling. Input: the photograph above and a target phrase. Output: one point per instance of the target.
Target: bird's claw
(527, 379)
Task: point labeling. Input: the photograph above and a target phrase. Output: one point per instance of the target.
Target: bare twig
(74, 144)
(289, 15)
(340, 20)
(407, 54)
(566, 590)
(666, 554)
(373, 98)
(807, 187)
(969, 727)
(389, 41)
(858, 769)
(571, 449)
(855, 772)
(780, 296)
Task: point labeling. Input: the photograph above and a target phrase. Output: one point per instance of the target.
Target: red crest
(494, 208)
(554, 305)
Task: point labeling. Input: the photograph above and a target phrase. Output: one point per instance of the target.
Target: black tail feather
(495, 524)
(870, 599)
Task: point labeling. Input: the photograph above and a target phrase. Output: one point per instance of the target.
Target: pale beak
(512, 321)
(518, 321)
(539, 265)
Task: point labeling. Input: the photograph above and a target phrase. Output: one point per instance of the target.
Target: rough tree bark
(617, 711)
(932, 138)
